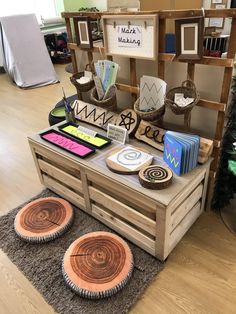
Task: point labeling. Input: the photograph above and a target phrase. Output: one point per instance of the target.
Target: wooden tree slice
(44, 219)
(129, 120)
(97, 265)
(155, 177)
(131, 156)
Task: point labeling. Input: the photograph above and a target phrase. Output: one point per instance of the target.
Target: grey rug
(41, 264)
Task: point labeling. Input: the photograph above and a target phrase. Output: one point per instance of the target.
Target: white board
(131, 36)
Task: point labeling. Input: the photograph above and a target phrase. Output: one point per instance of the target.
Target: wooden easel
(163, 57)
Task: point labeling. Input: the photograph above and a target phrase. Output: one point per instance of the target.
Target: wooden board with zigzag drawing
(94, 115)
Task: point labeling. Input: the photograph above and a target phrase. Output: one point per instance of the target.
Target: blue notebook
(181, 151)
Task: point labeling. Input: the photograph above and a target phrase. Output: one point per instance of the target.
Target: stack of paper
(181, 151)
(106, 74)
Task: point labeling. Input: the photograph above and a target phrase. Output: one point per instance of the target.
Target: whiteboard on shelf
(133, 36)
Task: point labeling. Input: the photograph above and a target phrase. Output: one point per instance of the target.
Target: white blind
(44, 8)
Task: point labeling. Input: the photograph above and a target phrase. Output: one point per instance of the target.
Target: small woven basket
(187, 88)
(153, 115)
(109, 103)
(81, 87)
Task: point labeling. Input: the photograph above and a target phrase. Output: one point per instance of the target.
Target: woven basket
(187, 88)
(109, 103)
(153, 115)
(81, 87)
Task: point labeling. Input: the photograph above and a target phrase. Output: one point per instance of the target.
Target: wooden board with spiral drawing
(128, 160)
(94, 115)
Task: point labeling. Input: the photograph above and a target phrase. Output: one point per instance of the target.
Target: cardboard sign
(117, 133)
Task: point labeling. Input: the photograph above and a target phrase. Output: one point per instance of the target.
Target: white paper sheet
(152, 93)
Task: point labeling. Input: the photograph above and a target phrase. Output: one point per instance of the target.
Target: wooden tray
(99, 141)
(73, 146)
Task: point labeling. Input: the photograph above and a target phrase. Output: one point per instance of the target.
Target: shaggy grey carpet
(41, 264)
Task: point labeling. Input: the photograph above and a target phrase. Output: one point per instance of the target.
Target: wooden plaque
(129, 120)
(93, 114)
(154, 136)
(97, 265)
(129, 154)
(155, 177)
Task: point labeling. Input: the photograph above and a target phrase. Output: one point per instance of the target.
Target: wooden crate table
(154, 220)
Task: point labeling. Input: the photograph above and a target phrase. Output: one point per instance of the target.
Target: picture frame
(216, 1)
(217, 22)
(83, 33)
(189, 38)
(132, 36)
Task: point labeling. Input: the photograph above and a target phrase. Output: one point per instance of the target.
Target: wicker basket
(81, 87)
(187, 88)
(109, 103)
(153, 115)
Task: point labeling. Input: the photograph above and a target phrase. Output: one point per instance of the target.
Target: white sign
(117, 133)
(129, 36)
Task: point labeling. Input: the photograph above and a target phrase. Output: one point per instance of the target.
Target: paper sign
(117, 133)
(152, 93)
(129, 36)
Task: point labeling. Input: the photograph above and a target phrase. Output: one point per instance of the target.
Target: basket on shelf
(109, 103)
(81, 87)
(187, 88)
(152, 116)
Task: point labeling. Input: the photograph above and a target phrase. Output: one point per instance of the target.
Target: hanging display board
(131, 36)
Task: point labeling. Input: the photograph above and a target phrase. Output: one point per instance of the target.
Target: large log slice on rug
(44, 219)
(97, 265)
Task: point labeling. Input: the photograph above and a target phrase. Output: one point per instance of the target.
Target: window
(44, 8)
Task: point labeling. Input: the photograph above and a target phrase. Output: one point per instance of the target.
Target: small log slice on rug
(97, 265)
(43, 220)
(155, 177)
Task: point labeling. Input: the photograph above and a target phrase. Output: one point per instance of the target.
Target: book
(181, 151)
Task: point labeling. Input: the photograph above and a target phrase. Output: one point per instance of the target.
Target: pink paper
(66, 143)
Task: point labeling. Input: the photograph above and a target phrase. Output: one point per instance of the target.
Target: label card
(117, 133)
(87, 131)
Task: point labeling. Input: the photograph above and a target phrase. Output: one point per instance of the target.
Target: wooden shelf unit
(163, 57)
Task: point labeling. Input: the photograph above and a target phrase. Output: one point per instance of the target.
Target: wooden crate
(154, 220)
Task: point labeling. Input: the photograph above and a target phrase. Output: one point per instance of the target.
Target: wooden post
(70, 39)
(133, 77)
(161, 64)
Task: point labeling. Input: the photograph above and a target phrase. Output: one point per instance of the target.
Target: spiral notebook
(181, 151)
